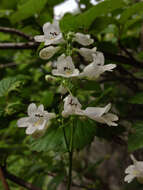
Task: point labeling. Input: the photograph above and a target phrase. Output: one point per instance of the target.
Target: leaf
(55, 2)
(56, 181)
(68, 23)
(47, 98)
(135, 140)
(100, 9)
(28, 9)
(89, 85)
(137, 99)
(52, 140)
(84, 20)
(105, 93)
(134, 23)
(84, 132)
(9, 84)
(134, 9)
(101, 23)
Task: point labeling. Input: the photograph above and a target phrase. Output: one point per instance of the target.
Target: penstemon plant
(60, 48)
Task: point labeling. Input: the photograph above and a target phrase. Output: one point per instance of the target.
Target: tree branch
(8, 65)
(123, 60)
(20, 45)
(19, 181)
(17, 32)
(4, 182)
(110, 56)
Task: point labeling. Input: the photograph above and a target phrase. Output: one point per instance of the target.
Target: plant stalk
(70, 170)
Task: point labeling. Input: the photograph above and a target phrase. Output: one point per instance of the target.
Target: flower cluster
(65, 66)
(135, 170)
(38, 119)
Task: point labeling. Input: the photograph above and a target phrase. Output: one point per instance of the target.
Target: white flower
(98, 58)
(83, 39)
(87, 53)
(48, 52)
(135, 170)
(65, 67)
(52, 34)
(100, 115)
(73, 107)
(97, 67)
(37, 119)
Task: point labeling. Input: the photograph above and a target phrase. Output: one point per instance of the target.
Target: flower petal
(133, 158)
(55, 72)
(23, 122)
(46, 27)
(71, 106)
(129, 178)
(83, 39)
(87, 53)
(111, 117)
(30, 130)
(40, 108)
(48, 52)
(96, 111)
(98, 58)
(58, 39)
(42, 126)
(49, 116)
(39, 38)
(32, 108)
(109, 67)
(130, 169)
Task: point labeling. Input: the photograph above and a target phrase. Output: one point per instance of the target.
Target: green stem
(70, 152)
(70, 170)
(70, 158)
(66, 141)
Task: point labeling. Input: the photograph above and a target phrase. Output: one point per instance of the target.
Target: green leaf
(55, 2)
(56, 181)
(68, 23)
(135, 140)
(87, 18)
(134, 9)
(101, 23)
(105, 93)
(28, 9)
(84, 132)
(84, 20)
(9, 84)
(134, 23)
(137, 99)
(89, 85)
(47, 98)
(52, 140)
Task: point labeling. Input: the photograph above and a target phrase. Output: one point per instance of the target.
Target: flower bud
(48, 52)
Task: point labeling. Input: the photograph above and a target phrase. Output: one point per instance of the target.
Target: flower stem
(70, 170)
(70, 158)
(70, 152)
